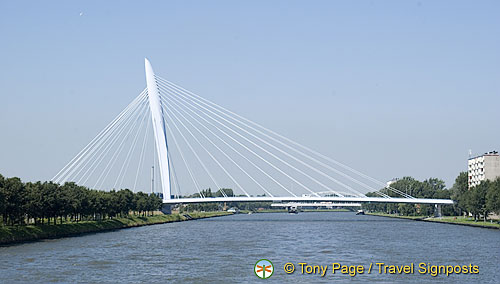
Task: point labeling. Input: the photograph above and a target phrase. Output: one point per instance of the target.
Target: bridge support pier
(166, 209)
(437, 211)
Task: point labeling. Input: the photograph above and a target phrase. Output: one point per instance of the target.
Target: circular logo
(263, 268)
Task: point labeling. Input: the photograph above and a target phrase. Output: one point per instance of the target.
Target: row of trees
(22, 203)
(477, 201)
(430, 188)
(41, 202)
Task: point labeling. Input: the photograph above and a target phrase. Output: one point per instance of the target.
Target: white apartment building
(484, 167)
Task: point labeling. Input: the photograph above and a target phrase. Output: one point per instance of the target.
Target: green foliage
(12, 234)
(478, 201)
(2, 195)
(460, 189)
(15, 198)
(49, 202)
(430, 188)
(493, 197)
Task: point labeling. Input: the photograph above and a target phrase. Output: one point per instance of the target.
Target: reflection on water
(225, 250)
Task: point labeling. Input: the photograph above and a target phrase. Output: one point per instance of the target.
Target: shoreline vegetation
(26, 233)
(482, 202)
(10, 235)
(44, 210)
(453, 220)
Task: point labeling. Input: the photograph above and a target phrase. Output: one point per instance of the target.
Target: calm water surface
(225, 249)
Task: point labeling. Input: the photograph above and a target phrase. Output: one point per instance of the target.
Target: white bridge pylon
(196, 145)
(160, 134)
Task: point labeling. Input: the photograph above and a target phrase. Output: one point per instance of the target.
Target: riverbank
(454, 220)
(18, 234)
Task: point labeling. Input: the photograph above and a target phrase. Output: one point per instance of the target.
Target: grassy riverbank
(455, 220)
(16, 234)
(465, 221)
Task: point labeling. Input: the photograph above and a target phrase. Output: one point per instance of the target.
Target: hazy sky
(391, 88)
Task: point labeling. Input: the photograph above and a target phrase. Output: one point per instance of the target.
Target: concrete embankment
(453, 220)
(18, 234)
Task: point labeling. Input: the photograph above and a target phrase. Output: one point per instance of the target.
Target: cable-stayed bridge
(196, 144)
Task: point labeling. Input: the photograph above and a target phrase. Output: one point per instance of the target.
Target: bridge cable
(263, 159)
(96, 148)
(204, 101)
(174, 176)
(195, 154)
(294, 158)
(131, 149)
(208, 152)
(261, 148)
(260, 157)
(141, 156)
(227, 156)
(107, 145)
(232, 148)
(113, 159)
(185, 163)
(72, 162)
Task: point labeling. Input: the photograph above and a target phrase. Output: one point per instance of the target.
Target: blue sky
(392, 88)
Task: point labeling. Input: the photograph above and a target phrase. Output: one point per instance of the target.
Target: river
(225, 250)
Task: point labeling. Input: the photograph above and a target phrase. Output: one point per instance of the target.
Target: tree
(51, 200)
(48, 201)
(493, 197)
(125, 201)
(2, 196)
(460, 189)
(476, 200)
(156, 202)
(78, 200)
(34, 207)
(15, 199)
(141, 202)
(113, 207)
(430, 188)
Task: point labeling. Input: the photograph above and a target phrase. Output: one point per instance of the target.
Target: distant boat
(293, 210)
(250, 212)
(360, 212)
(233, 210)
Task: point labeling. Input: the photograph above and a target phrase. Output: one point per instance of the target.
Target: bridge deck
(309, 199)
